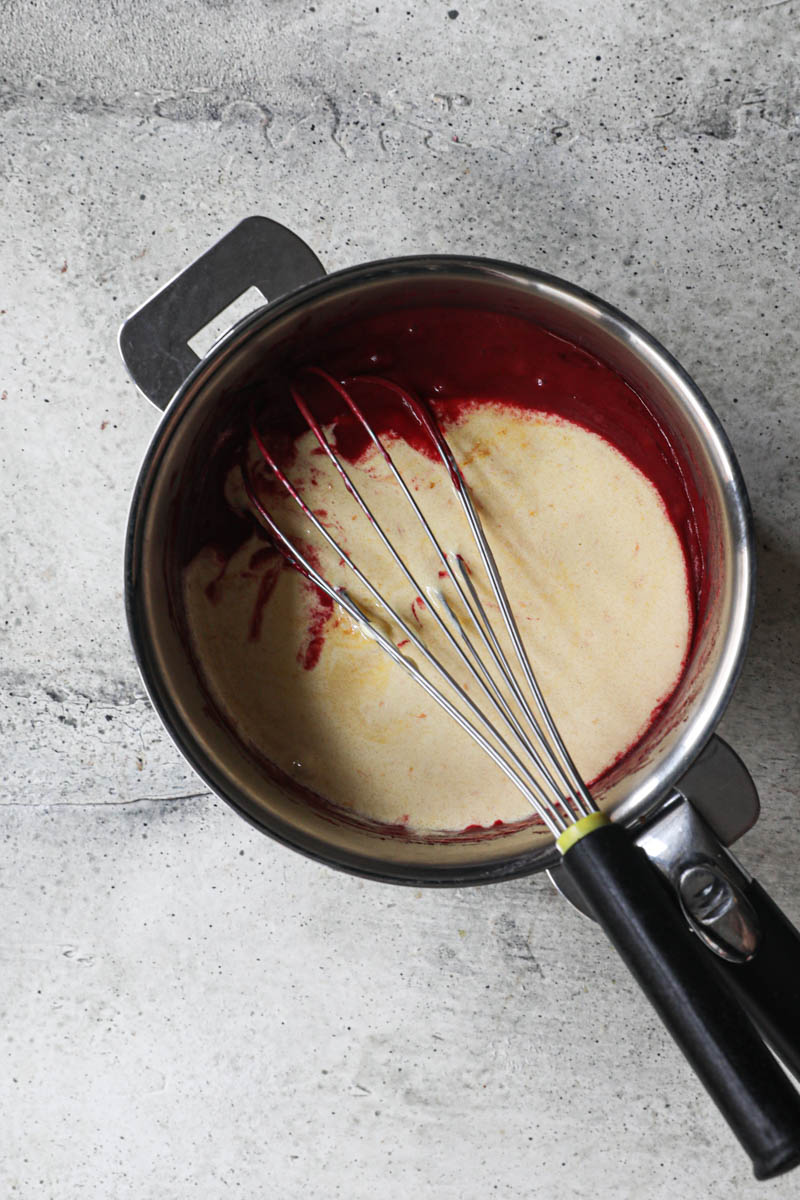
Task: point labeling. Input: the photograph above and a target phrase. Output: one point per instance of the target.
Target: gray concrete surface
(188, 1009)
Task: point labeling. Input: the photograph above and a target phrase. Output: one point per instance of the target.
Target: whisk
(514, 726)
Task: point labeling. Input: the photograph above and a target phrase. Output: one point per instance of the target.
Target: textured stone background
(188, 1009)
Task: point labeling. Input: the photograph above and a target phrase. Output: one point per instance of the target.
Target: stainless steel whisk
(568, 798)
(614, 875)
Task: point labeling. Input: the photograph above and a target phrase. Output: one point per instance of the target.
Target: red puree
(452, 358)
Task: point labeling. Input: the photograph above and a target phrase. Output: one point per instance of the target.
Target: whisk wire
(302, 562)
(530, 788)
(573, 792)
(483, 625)
(572, 799)
(484, 679)
(498, 589)
(571, 782)
(503, 703)
(326, 446)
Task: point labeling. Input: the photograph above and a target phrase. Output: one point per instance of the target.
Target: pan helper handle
(154, 341)
(715, 1034)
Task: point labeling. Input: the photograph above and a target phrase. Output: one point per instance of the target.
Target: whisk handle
(716, 1035)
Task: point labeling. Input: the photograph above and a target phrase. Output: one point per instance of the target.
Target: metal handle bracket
(712, 805)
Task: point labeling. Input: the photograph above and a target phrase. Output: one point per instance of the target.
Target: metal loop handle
(256, 253)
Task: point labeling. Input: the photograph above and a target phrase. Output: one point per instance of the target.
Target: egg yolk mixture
(592, 564)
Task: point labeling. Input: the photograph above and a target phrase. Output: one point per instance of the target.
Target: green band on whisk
(580, 829)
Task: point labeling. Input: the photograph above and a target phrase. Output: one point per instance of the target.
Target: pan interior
(212, 408)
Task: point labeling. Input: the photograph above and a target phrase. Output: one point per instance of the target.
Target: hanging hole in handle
(242, 306)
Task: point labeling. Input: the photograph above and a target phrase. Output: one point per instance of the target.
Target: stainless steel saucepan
(684, 795)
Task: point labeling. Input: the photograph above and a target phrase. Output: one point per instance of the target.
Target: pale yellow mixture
(594, 571)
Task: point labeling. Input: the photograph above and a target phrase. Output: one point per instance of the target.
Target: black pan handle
(768, 984)
(751, 942)
(256, 253)
(640, 917)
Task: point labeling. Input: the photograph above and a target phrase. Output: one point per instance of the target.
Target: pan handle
(768, 983)
(753, 945)
(257, 253)
(717, 1036)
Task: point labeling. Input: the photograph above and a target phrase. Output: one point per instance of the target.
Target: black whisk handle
(716, 1035)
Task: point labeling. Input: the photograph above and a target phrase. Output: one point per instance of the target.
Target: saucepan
(683, 795)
